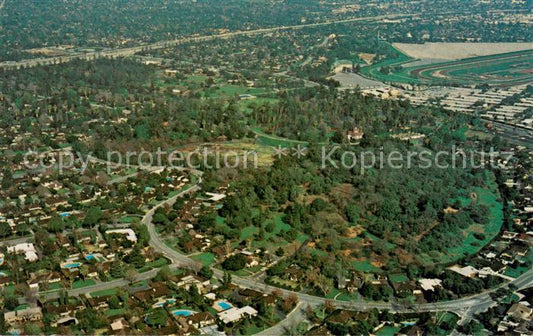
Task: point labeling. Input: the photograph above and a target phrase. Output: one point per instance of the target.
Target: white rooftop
(235, 314)
(130, 234)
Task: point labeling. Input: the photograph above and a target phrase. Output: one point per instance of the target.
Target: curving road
(481, 301)
(467, 305)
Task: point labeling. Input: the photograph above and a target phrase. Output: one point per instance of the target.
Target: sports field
(508, 69)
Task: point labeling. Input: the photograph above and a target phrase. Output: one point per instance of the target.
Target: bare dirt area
(368, 58)
(454, 51)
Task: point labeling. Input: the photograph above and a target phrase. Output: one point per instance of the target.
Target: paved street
(465, 307)
(474, 304)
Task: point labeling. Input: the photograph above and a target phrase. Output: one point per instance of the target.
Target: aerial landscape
(266, 167)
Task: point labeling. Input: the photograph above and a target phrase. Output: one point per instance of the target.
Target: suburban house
(30, 314)
(236, 314)
(29, 251)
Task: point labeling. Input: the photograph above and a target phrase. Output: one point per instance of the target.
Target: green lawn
(397, 278)
(365, 266)
(332, 293)
(114, 312)
(275, 280)
(248, 232)
(486, 196)
(491, 230)
(83, 283)
(387, 331)
(157, 263)
(206, 258)
(54, 286)
(129, 219)
(9, 290)
(21, 307)
(348, 296)
(107, 292)
(273, 140)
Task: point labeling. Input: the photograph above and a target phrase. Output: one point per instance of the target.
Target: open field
(455, 51)
(273, 140)
(471, 245)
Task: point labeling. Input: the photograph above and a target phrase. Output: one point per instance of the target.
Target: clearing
(455, 51)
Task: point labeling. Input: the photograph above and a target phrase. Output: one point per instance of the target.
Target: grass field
(471, 245)
(273, 140)
(206, 258)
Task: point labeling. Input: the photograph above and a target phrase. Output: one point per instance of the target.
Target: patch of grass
(54, 286)
(106, 292)
(9, 290)
(332, 293)
(206, 258)
(397, 278)
(273, 140)
(365, 266)
(471, 245)
(387, 331)
(277, 281)
(21, 307)
(128, 219)
(83, 283)
(115, 312)
(248, 232)
(157, 263)
(515, 272)
(348, 296)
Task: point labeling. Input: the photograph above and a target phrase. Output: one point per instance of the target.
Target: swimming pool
(162, 303)
(224, 305)
(183, 312)
(71, 265)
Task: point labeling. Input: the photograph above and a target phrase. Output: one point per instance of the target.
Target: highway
(125, 52)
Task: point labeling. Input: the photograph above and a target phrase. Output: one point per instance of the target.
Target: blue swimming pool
(182, 312)
(90, 257)
(162, 304)
(224, 305)
(71, 265)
